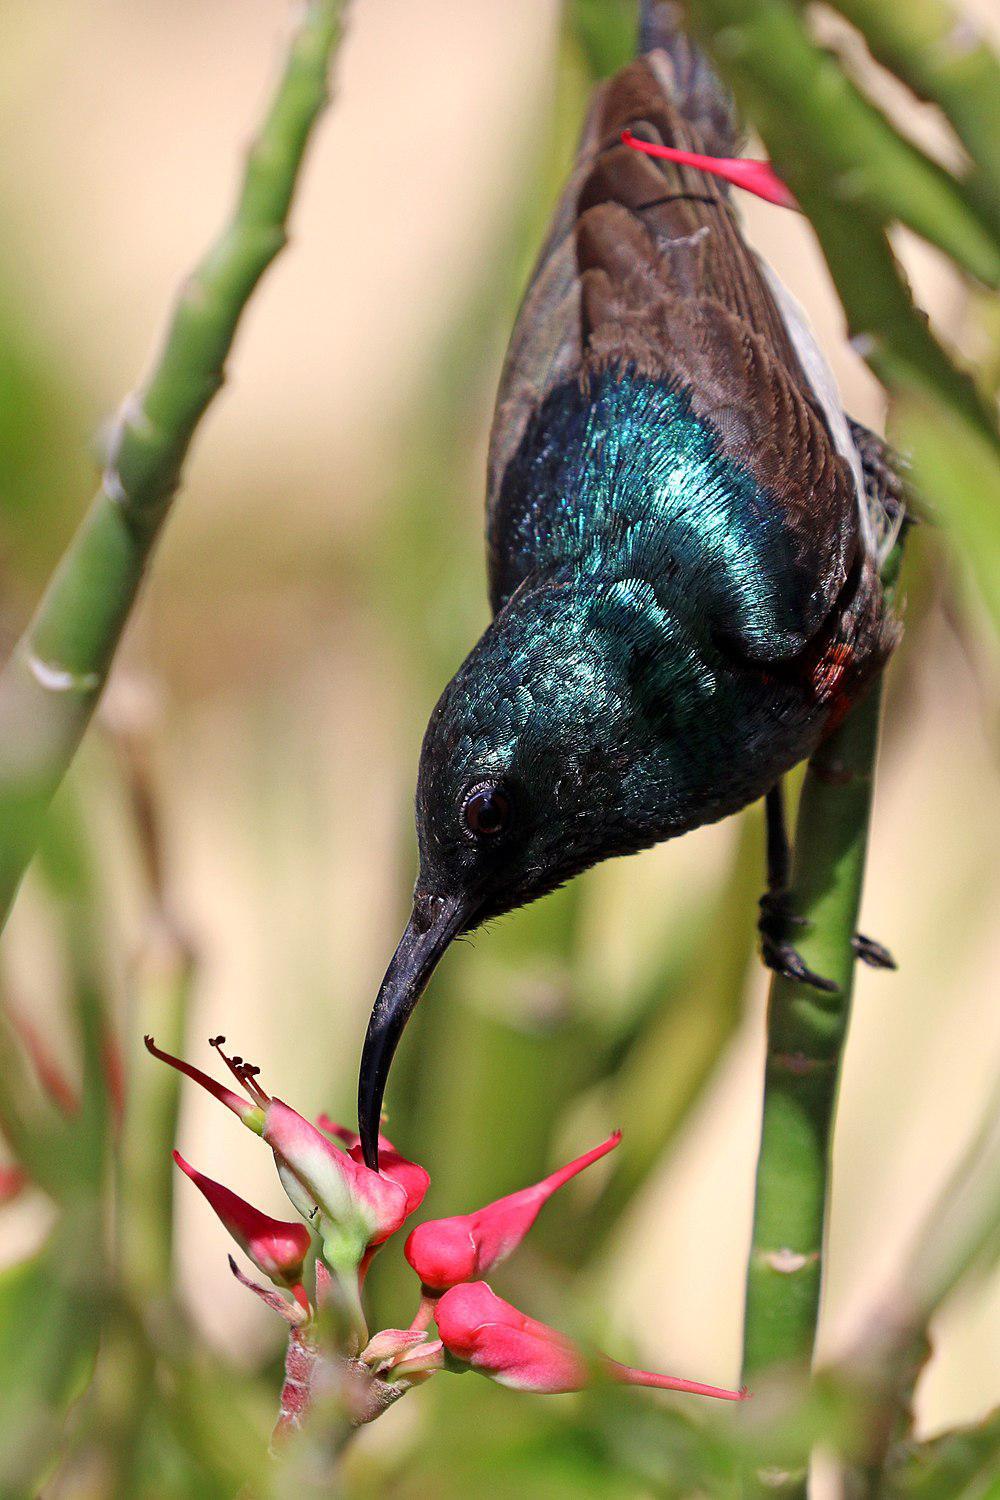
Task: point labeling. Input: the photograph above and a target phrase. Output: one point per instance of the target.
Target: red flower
(757, 177)
(409, 1175)
(488, 1334)
(358, 1207)
(277, 1247)
(445, 1252)
(353, 1209)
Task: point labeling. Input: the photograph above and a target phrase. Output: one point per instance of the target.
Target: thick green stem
(160, 987)
(51, 684)
(806, 1032)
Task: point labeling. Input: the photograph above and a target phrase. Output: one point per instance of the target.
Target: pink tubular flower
(757, 177)
(409, 1175)
(481, 1330)
(277, 1247)
(352, 1208)
(358, 1208)
(446, 1252)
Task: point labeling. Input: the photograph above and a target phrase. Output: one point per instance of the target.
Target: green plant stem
(862, 161)
(806, 1031)
(956, 467)
(937, 52)
(51, 684)
(842, 160)
(160, 987)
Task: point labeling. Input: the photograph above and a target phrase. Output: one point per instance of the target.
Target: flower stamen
(249, 1111)
(245, 1073)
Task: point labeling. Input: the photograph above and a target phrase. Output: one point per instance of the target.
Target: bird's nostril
(425, 909)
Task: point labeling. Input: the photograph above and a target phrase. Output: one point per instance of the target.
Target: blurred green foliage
(103, 1378)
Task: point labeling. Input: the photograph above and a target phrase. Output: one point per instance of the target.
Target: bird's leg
(777, 919)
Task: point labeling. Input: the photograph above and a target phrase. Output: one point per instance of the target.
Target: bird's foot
(774, 924)
(871, 953)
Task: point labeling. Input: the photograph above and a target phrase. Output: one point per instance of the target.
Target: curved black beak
(435, 921)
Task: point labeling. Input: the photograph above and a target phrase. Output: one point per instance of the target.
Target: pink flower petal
(757, 177)
(343, 1133)
(349, 1195)
(625, 1375)
(445, 1252)
(480, 1329)
(250, 1114)
(277, 1247)
(409, 1175)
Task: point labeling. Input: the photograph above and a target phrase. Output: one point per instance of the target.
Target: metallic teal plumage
(613, 696)
(621, 480)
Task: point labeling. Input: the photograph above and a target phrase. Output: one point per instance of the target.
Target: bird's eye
(486, 811)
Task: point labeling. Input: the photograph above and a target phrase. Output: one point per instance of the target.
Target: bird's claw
(775, 921)
(872, 953)
(776, 917)
(783, 959)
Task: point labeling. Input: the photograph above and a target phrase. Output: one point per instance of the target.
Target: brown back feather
(645, 267)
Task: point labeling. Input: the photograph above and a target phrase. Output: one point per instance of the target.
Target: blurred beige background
(123, 125)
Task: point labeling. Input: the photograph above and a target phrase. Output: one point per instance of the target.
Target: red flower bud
(391, 1344)
(445, 1252)
(488, 1334)
(276, 1246)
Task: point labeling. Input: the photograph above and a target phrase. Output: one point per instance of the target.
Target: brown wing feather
(645, 266)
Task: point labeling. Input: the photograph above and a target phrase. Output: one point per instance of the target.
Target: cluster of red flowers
(348, 1211)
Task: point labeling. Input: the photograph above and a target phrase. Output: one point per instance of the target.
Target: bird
(684, 535)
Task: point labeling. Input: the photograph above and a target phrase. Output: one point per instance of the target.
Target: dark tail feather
(693, 84)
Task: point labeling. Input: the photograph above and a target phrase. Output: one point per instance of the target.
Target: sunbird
(684, 537)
